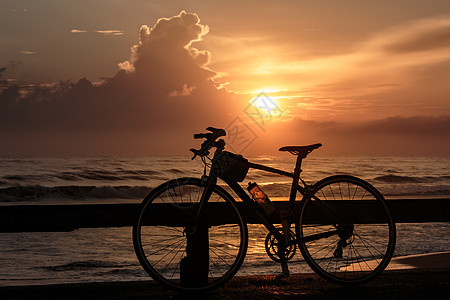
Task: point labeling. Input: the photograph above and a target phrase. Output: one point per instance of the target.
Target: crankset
(274, 247)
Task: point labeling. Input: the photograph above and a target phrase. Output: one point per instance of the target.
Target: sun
(266, 104)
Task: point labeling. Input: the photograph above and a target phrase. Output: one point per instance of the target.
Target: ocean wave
(136, 272)
(92, 175)
(82, 265)
(389, 185)
(435, 192)
(175, 171)
(24, 177)
(409, 179)
(37, 192)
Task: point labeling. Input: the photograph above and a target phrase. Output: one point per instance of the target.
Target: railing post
(194, 268)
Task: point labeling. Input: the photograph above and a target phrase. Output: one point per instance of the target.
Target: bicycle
(190, 236)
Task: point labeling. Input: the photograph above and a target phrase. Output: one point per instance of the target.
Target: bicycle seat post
(295, 179)
(301, 152)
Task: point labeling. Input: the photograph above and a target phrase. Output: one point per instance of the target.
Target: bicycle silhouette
(190, 235)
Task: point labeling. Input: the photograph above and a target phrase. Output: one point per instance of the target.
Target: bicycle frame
(236, 187)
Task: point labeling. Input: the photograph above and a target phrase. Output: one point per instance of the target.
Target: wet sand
(421, 261)
(423, 277)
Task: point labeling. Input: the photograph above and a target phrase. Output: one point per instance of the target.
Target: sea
(106, 254)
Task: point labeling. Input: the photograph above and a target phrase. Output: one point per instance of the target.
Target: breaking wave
(37, 192)
(409, 179)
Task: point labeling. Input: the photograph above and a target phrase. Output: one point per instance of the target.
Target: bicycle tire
(357, 252)
(161, 248)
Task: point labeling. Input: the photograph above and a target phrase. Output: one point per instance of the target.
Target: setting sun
(266, 104)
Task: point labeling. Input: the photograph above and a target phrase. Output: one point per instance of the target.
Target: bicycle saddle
(300, 150)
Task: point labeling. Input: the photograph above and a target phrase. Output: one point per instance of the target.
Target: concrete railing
(34, 218)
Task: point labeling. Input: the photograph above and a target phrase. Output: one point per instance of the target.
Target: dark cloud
(3, 82)
(163, 92)
(417, 126)
(419, 135)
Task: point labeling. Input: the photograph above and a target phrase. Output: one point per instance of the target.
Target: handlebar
(209, 142)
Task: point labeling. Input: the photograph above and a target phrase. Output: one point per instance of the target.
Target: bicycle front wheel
(345, 231)
(178, 250)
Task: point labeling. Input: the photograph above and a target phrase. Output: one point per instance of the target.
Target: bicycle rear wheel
(178, 251)
(337, 242)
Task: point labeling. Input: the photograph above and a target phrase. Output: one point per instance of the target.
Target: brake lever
(195, 151)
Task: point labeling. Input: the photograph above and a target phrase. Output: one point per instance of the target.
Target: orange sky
(360, 77)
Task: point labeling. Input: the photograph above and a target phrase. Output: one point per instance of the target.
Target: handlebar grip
(201, 135)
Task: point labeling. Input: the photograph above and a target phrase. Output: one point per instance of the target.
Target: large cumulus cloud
(166, 49)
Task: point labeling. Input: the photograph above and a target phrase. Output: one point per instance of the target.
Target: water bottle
(260, 197)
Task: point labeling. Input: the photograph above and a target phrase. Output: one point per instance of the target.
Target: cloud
(105, 32)
(423, 35)
(2, 71)
(173, 36)
(110, 32)
(166, 50)
(26, 52)
(416, 43)
(423, 126)
(391, 56)
(186, 91)
(154, 103)
(397, 69)
(418, 135)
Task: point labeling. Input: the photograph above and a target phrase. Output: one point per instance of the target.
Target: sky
(140, 77)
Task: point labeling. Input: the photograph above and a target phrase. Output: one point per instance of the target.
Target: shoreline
(434, 260)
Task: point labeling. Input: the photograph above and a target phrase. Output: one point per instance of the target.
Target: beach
(421, 277)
